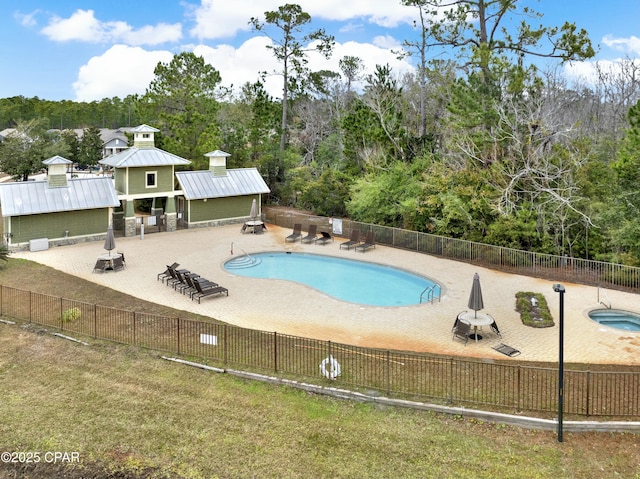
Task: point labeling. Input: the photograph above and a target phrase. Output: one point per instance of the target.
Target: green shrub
(537, 316)
(71, 314)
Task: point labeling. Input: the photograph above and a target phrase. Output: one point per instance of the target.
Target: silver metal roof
(133, 157)
(198, 185)
(35, 197)
(57, 160)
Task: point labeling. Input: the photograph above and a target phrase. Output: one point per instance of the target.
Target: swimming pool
(345, 279)
(616, 318)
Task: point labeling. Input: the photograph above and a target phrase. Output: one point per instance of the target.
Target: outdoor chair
(191, 288)
(462, 331)
(118, 263)
(369, 242)
(495, 329)
(122, 256)
(101, 266)
(312, 235)
(181, 282)
(297, 233)
(173, 278)
(166, 273)
(203, 291)
(325, 238)
(353, 241)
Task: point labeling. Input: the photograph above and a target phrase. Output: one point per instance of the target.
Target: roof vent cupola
(218, 162)
(143, 136)
(57, 171)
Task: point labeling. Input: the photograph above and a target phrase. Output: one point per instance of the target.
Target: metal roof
(198, 185)
(133, 157)
(57, 160)
(35, 197)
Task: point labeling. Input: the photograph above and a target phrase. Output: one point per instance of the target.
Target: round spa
(616, 318)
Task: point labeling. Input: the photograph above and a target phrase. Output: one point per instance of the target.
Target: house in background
(58, 208)
(114, 141)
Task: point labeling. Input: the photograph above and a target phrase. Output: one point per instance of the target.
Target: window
(152, 178)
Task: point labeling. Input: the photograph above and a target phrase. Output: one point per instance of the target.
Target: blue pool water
(616, 318)
(348, 280)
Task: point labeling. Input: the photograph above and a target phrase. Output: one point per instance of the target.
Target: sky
(89, 50)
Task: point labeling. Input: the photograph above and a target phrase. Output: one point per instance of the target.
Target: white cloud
(120, 71)
(629, 45)
(82, 25)
(124, 70)
(588, 73)
(215, 19)
(223, 19)
(241, 65)
(26, 19)
(386, 41)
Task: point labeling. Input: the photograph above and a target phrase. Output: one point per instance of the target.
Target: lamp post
(558, 288)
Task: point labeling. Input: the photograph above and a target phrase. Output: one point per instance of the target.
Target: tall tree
(22, 152)
(351, 68)
(480, 31)
(183, 96)
(90, 147)
(286, 28)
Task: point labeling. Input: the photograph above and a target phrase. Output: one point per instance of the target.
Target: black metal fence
(553, 267)
(505, 385)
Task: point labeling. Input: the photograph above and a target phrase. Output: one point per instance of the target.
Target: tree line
(483, 145)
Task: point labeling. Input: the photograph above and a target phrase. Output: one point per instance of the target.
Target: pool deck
(294, 309)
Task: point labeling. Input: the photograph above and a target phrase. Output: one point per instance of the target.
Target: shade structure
(475, 298)
(110, 241)
(254, 209)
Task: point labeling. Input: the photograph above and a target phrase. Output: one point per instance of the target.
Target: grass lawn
(128, 414)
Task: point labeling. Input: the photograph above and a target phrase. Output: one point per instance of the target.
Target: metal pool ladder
(244, 261)
(429, 295)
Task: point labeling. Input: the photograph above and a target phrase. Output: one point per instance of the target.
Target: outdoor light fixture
(558, 288)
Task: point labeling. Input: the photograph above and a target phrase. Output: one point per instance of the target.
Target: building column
(156, 207)
(170, 215)
(129, 219)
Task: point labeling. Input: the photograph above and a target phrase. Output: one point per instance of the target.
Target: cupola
(218, 162)
(57, 171)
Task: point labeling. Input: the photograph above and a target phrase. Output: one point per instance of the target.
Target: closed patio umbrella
(254, 209)
(475, 298)
(110, 241)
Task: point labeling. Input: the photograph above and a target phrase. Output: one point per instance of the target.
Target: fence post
(178, 321)
(275, 351)
(388, 368)
(519, 389)
(224, 336)
(61, 315)
(95, 321)
(30, 304)
(450, 380)
(588, 398)
(134, 328)
(1, 298)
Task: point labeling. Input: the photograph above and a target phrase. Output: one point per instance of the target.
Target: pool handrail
(430, 293)
(241, 249)
(601, 301)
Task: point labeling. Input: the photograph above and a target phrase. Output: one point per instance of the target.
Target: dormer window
(146, 135)
(151, 179)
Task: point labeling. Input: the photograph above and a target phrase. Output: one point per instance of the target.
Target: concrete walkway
(294, 309)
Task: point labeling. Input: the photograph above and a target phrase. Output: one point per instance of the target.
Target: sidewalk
(294, 309)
